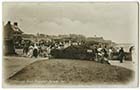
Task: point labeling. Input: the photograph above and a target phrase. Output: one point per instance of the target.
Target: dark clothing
(130, 49)
(95, 53)
(95, 50)
(121, 55)
(35, 53)
(25, 50)
(105, 53)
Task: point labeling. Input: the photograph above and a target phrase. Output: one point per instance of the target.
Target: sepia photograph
(70, 44)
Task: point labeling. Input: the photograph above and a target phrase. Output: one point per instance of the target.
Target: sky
(113, 21)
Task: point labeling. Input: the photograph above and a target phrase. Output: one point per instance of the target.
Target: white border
(68, 0)
(53, 1)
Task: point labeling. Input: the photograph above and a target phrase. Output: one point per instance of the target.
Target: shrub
(80, 52)
(71, 52)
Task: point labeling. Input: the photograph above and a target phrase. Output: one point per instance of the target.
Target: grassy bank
(71, 72)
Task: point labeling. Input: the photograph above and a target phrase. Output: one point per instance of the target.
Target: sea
(126, 46)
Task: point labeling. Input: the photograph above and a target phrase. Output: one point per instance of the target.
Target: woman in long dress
(30, 52)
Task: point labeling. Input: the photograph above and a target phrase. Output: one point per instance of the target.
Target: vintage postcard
(70, 44)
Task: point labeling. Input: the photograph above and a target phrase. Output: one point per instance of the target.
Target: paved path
(125, 64)
(11, 65)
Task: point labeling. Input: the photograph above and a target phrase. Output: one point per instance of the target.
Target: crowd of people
(35, 50)
(40, 49)
(104, 53)
(107, 53)
(101, 53)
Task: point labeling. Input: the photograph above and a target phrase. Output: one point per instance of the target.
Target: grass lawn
(70, 72)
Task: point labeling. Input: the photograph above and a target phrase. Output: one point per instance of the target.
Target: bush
(72, 52)
(80, 52)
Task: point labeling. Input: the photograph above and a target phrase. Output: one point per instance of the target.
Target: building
(12, 36)
(99, 40)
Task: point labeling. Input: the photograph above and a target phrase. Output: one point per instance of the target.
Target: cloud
(110, 20)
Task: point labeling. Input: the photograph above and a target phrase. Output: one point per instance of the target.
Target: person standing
(25, 49)
(30, 52)
(121, 55)
(105, 53)
(95, 53)
(110, 53)
(133, 54)
(35, 51)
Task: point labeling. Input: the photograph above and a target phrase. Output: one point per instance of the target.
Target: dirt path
(125, 64)
(12, 65)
